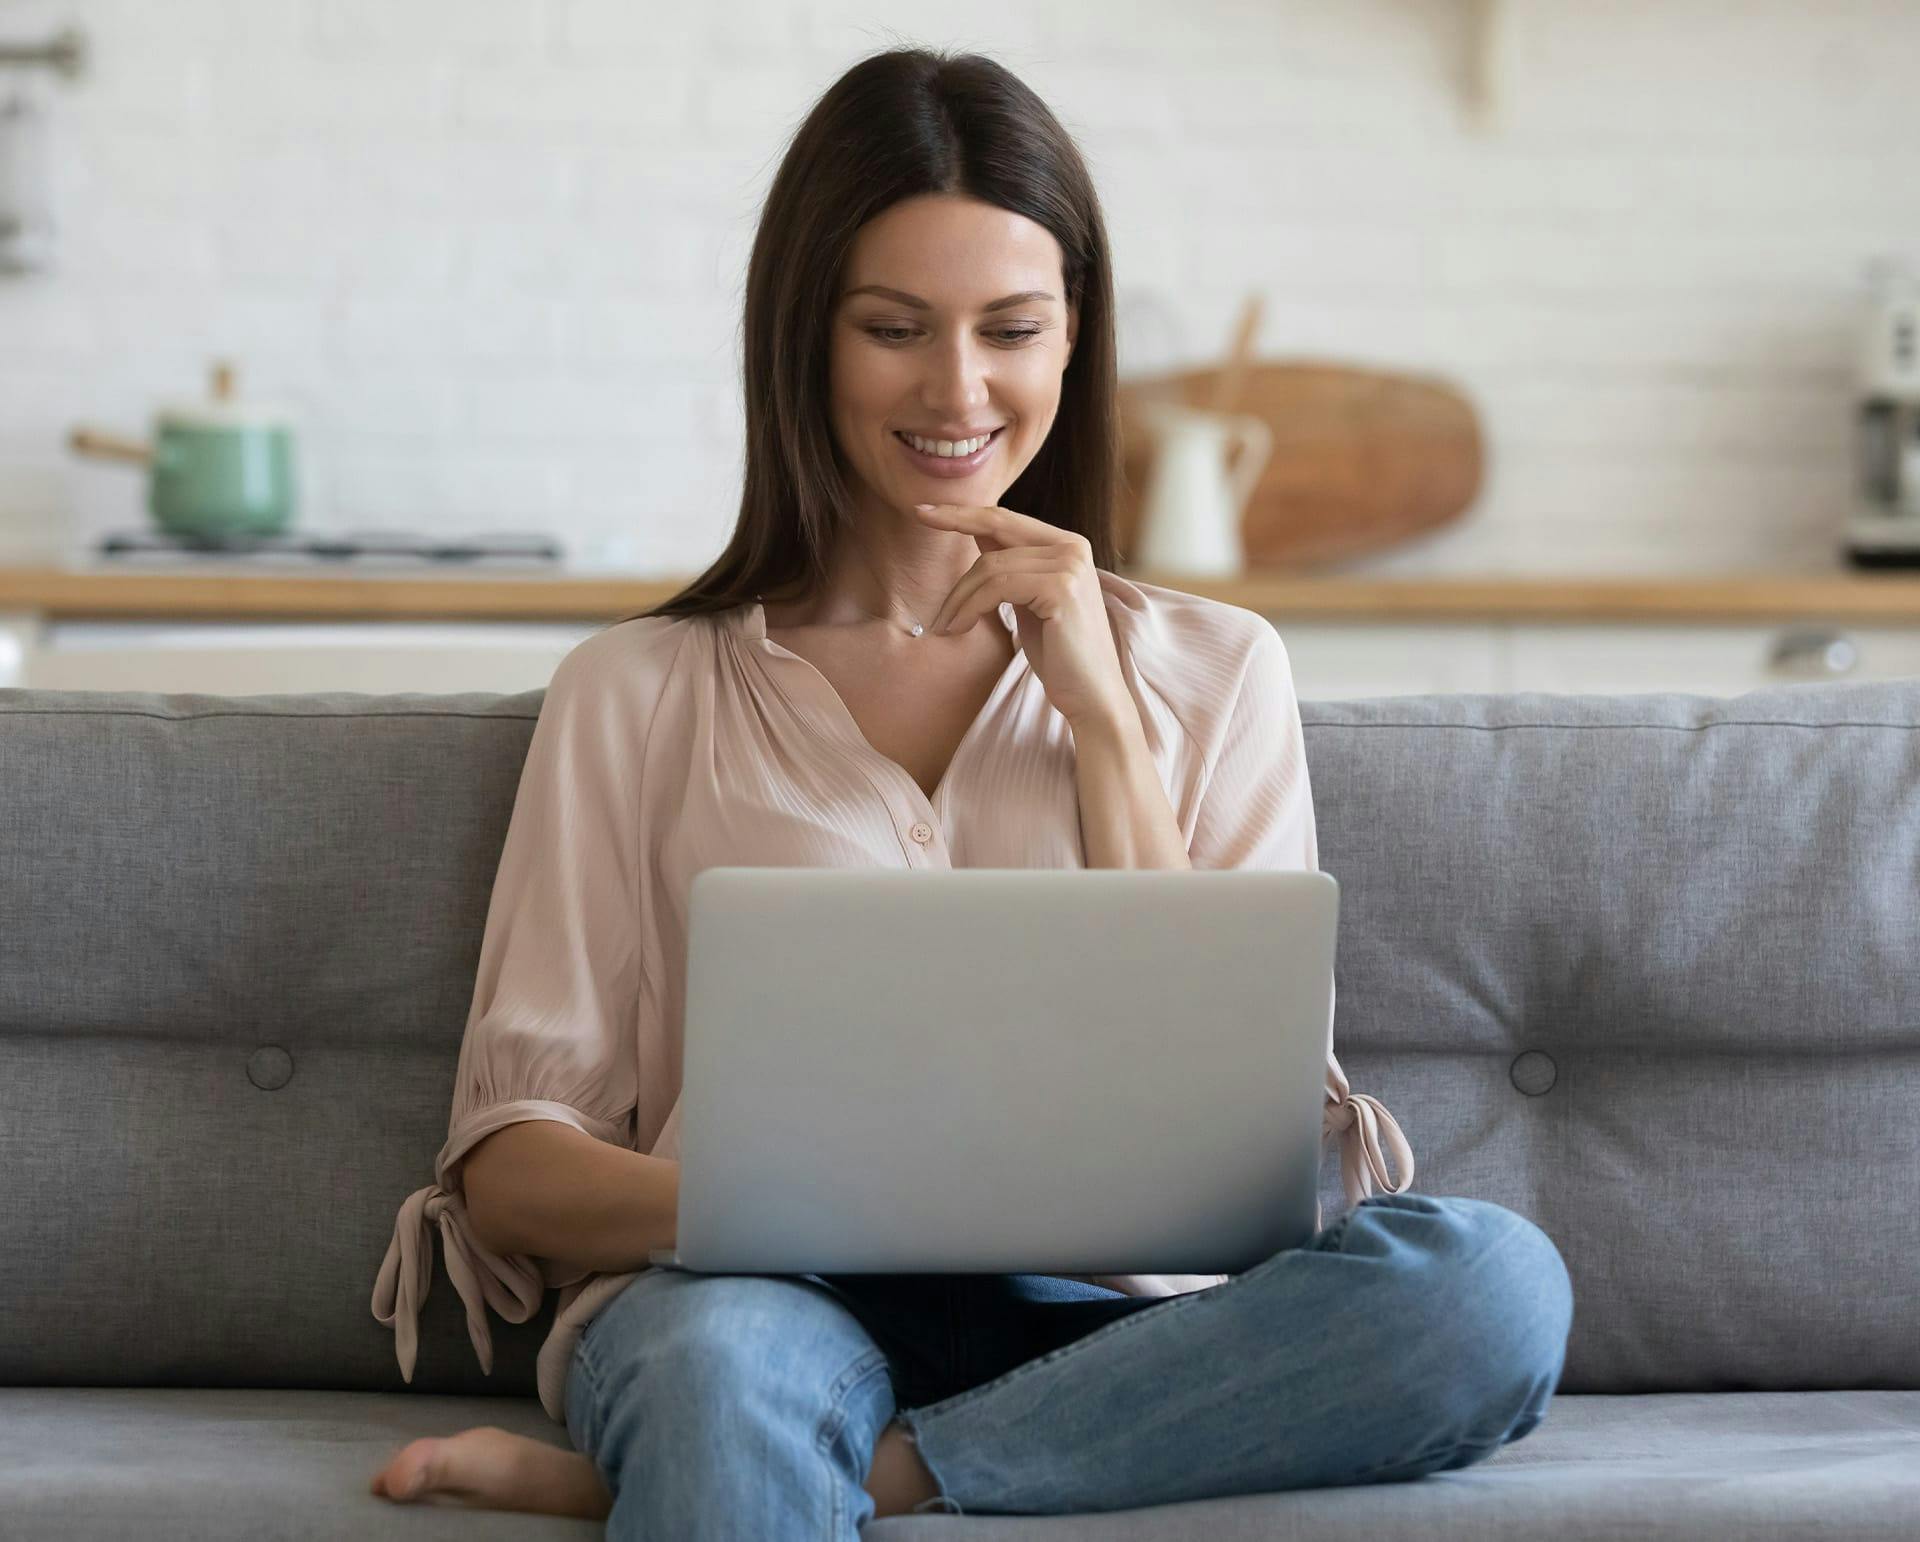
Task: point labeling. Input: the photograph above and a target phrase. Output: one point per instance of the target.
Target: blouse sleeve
(1257, 811)
(550, 1033)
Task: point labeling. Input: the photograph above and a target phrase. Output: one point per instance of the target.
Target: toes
(410, 1473)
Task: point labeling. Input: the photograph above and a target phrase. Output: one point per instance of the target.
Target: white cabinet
(264, 658)
(1332, 660)
(1343, 661)
(1716, 660)
(1338, 661)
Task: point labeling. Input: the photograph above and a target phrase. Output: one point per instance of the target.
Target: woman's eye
(1010, 335)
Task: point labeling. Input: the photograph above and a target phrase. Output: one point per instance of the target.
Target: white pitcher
(1192, 507)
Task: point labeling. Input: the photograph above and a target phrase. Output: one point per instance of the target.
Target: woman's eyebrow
(919, 304)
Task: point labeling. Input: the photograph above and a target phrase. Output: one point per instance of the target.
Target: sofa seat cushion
(90, 1464)
(1660, 1467)
(169, 1465)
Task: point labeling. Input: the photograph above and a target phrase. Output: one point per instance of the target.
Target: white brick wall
(491, 252)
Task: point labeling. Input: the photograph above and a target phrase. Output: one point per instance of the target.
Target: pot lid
(224, 410)
(222, 415)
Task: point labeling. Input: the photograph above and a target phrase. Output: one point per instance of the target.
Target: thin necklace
(915, 630)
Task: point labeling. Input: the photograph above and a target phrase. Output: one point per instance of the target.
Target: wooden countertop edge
(54, 593)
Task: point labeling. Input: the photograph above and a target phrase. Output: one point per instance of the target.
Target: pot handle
(86, 441)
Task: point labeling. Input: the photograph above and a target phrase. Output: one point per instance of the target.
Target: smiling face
(966, 337)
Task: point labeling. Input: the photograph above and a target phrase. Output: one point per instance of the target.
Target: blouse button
(922, 833)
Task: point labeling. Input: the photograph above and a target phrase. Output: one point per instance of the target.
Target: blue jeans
(1413, 1334)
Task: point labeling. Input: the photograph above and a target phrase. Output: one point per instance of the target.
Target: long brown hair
(897, 125)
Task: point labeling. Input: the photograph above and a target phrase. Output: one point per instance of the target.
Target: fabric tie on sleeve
(482, 1278)
(1360, 1119)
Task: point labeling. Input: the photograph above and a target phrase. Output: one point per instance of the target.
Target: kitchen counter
(214, 591)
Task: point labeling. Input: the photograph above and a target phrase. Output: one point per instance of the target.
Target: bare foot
(489, 1468)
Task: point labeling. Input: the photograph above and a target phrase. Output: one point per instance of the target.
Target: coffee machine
(1883, 520)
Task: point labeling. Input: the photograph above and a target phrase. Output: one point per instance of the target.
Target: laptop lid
(980, 1070)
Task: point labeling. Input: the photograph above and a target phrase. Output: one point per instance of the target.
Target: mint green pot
(213, 479)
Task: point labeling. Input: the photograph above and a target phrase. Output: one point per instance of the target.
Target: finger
(990, 522)
(956, 516)
(1015, 559)
(1043, 590)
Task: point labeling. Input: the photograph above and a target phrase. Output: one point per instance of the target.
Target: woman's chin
(973, 492)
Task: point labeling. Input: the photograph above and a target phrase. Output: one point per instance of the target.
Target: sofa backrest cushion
(1646, 969)
(1642, 968)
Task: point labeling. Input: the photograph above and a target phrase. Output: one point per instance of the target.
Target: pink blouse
(666, 745)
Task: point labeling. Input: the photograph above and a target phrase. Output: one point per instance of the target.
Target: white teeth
(945, 447)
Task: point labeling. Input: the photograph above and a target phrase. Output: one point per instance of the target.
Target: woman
(912, 654)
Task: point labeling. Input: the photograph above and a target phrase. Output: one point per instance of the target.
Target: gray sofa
(1645, 969)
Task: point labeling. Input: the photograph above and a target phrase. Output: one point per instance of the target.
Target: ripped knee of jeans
(939, 1502)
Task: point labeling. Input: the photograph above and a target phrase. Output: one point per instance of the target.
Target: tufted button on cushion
(269, 1067)
(1533, 1072)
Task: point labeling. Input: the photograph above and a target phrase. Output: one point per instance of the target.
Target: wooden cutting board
(1362, 461)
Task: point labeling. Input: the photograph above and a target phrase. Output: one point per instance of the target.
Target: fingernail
(923, 505)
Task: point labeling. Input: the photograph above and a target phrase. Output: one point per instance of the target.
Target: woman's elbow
(479, 1185)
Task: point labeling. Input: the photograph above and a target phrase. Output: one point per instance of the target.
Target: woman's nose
(959, 380)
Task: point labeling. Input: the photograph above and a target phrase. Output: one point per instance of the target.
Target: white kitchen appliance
(1883, 520)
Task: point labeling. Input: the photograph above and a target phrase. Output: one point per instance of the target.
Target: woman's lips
(951, 465)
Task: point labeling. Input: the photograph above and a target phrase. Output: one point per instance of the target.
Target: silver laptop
(1002, 1070)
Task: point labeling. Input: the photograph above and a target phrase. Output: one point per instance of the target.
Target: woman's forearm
(543, 1188)
(1125, 819)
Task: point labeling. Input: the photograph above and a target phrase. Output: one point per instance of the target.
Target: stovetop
(343, 546)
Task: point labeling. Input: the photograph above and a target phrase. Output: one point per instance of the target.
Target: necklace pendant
(918, 629)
